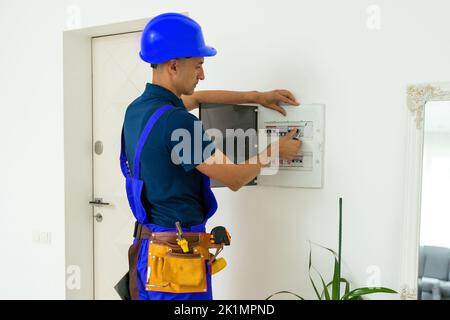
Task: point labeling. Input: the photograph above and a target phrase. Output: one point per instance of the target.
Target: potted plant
(335, 284)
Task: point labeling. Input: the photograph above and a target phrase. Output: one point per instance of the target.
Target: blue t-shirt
(172, 186)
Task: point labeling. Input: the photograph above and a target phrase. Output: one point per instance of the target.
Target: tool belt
(172, 270)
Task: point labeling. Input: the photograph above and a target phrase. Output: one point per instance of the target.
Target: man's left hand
(272, 99)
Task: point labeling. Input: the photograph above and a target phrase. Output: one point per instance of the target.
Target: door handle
(99, 202)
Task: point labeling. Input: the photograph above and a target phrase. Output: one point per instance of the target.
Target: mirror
(434, 250)
(426, 210)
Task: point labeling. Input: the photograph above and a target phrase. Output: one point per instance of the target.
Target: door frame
(78, 153)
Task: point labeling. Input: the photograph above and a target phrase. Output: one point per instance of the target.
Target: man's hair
(155, 65)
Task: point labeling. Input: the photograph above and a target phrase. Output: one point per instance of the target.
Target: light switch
(39, 237)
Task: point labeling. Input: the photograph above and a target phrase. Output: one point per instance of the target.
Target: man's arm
(219, 167)
(269, 99)
(234, 176)
(218, 96)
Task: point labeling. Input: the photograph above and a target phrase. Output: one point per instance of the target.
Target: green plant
(335, 284)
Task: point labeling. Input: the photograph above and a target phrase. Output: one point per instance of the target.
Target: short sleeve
(187, 141)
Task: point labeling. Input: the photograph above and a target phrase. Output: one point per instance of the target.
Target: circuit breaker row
(305, 129)
(303, 160)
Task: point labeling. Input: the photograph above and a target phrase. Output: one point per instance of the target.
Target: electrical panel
(304, 171)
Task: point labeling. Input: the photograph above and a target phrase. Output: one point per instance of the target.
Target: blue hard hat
(173, 35)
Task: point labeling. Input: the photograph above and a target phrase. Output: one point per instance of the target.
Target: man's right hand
(288, 146)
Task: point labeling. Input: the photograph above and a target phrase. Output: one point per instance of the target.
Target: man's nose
(201, 75)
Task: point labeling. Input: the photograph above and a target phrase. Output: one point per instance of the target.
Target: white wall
(321, 50)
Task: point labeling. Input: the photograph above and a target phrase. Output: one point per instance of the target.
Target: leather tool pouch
(170, 270)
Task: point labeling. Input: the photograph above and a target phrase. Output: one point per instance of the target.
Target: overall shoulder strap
(123, 158)
(140, 145)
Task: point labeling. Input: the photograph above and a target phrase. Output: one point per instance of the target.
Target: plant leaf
(343, 280)
(309, 273)
(332, 251)
(347, 285)
(335, 291)
(354, 294)
(325, 289)
(279, 292)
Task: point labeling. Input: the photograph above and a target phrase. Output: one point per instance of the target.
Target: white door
(119, 76)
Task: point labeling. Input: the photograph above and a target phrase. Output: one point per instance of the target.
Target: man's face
(189, 73)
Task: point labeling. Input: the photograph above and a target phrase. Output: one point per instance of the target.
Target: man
(170, 261)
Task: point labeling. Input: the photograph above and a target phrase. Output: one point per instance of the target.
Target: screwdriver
(183, 243)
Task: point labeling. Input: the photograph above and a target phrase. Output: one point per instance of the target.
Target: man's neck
(166, 85)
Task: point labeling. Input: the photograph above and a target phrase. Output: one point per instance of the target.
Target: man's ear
(172, 66)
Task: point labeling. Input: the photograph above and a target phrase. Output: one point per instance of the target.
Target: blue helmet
(173, 35)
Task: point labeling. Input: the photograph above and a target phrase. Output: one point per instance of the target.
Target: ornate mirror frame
(417, 96)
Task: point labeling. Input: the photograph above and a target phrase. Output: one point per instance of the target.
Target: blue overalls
(138, 252)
